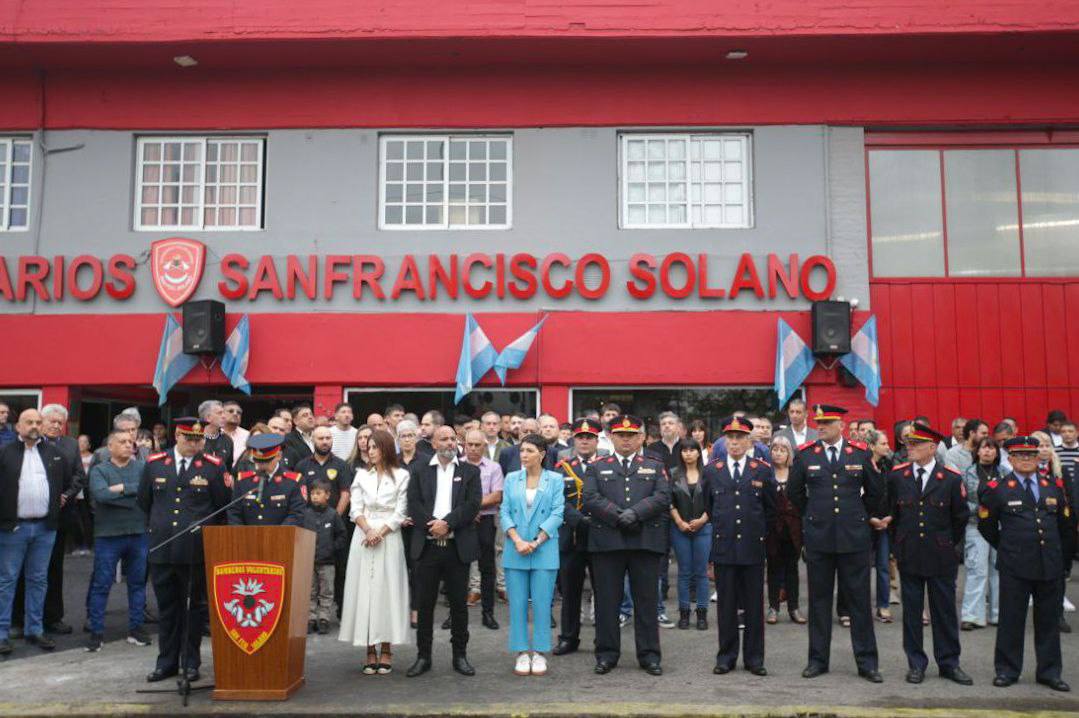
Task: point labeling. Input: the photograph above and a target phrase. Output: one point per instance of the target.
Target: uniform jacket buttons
(173, 523)
(837, 509)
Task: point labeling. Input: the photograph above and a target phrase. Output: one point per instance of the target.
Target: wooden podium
(258, 586)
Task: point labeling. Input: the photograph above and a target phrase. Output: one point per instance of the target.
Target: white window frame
(5, 205)
(445, 224)
(747, 179)
(201, 179)
(20, 392)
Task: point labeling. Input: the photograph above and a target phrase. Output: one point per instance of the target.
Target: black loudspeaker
(831, 327)
(204, 327)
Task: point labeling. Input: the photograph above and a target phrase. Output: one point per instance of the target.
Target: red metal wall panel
(1015, 347)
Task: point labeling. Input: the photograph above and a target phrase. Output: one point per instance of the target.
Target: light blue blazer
(545, 513)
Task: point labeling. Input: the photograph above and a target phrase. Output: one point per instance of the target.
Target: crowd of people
(531, 511)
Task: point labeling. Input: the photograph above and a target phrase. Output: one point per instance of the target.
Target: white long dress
(375, 606)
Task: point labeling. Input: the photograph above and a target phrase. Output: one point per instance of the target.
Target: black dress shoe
(192, 675)
(59, 628)
(603, 667)
(447, 623)
(312, 626)
(44, 642)
(462, 666)
(813, 670)
(873, 676)
(653, 669)
(564, 648)
(159, 675)
(758, 670)
(915, 675)
(1056, 684)
(958, 675)
(421, 666)
(6, 647)
(1003, 681)
(720, 670)
(488, 620)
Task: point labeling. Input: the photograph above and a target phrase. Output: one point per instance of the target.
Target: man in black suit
(54, 424)
(509, 459)
(444, 497)
(31, 483)
(298, 442)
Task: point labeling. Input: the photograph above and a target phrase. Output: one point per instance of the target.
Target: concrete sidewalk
(73, 682)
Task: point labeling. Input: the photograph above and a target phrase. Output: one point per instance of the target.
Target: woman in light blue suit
(531, 512)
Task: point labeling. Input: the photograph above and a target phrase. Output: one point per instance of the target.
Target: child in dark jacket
(330, 535)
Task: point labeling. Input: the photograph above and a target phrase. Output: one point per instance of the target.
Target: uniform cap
(585, 426)
(1021, 444)
(828, 412)
(737, 424)
(625, 424)
(265, 447)
(921, 432)
(188, 426)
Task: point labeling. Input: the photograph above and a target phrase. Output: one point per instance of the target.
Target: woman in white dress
(375, 609)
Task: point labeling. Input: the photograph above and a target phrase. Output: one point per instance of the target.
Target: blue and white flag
(477, 358)
(864, 360)
(237, 353)
(515, 352)
(794, 361)
(172, 363)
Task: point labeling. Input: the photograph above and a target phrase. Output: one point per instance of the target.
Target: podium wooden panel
(275, 670)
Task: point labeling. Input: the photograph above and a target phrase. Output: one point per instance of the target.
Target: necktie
(737, 471)
(625, 465)
(183, 466)
(921, 480)
(833, 454)
(1029, 486)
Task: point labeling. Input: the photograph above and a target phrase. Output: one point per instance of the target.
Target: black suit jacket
(510, 459)
(296, 449)
(465, 506)
(11, 456)
(74, 475)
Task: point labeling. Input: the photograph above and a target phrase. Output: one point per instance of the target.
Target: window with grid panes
(15, 157)
(208, 183)
(445, 182)
(686, 180)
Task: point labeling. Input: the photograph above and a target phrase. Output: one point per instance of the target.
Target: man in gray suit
(798, 431)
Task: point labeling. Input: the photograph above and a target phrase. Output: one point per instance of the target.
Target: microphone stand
(183, 685)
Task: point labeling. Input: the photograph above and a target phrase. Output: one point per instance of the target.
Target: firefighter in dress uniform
(278, 498)
(627, 495)
(1025, 517)
(927, 516)
(741, 498)
(573, 538)
(179, 487)
(836, 488)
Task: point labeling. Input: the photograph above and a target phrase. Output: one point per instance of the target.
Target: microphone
(262, 483)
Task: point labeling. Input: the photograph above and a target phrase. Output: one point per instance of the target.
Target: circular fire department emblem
(249, 597)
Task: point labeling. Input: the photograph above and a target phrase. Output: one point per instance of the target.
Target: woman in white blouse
(375, 609)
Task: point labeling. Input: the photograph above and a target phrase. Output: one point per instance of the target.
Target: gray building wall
(321, 198)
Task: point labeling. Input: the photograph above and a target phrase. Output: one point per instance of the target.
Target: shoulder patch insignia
(991, 484)
(859, 445)
(157, 456)
(904, 465)
(1011, 483)
(954, 471)
(291, 475)
(212, 459)
(806, 445)
(1060, 483)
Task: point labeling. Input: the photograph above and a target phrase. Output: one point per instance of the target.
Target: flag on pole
(237, 353)
(172, 363)
(864, 360)
(477, 358)
(515, 352)
(794, 361)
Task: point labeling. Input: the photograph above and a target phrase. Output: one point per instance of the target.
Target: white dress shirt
(799, 436)
(444, 491)
(928, 471)
(33, 485)
(739, 463)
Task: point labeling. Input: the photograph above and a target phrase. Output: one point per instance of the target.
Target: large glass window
(1003, 211)
(685, 180)
(446, 182)
(1050, 194)
(15, 156)
(908, 230)
(200, 183)
(505, 401)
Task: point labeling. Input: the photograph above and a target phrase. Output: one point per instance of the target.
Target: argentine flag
(515, 352)
(864, 360)
(477, 358)
(794, 361)
(237, 353)
(172, 363)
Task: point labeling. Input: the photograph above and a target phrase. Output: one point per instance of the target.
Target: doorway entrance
(368, 401)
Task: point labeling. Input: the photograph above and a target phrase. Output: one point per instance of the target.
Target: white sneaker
(713, 598)
(523, 666)
(539, 664)
(1068, 605)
